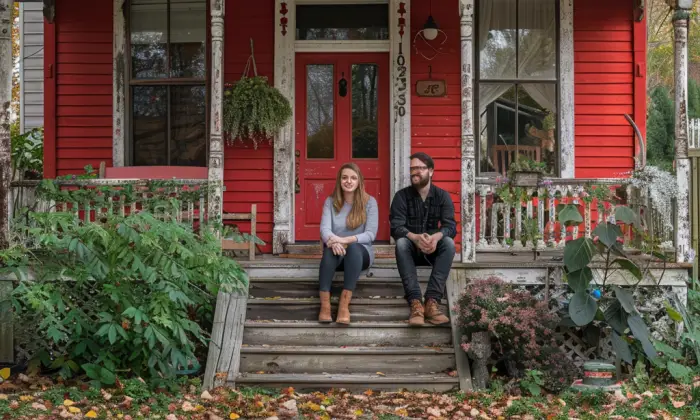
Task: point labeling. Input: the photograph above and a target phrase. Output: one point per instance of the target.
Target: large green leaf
(626, 215)
(626, 299)
(570, 215)
(630, 266)
(616, 317)
(672, 313)
(582, 308)
(641, 333)
(622, 349)
(667, 350)
(679, 372)
(580, 279)
(607, 233)
(578, 253)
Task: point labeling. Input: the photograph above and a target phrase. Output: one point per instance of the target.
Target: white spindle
(482, 217)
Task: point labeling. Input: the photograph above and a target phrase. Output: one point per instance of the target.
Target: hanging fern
(252, 108)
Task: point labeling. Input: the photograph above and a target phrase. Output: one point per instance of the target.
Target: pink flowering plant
(522, 328)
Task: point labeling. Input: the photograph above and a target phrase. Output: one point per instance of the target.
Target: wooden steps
(284, 344)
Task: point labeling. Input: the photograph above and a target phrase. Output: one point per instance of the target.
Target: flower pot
(526, 178)
(597, 375)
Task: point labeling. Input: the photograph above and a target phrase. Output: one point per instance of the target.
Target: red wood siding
(248, 172)
(436, 122)
(78, 102)
(607, 86)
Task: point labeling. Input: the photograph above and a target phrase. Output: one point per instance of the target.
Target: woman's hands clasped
(338, 244)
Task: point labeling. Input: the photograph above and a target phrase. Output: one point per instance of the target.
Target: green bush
(133, 295)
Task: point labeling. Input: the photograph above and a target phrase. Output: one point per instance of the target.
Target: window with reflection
(167, 81)
(342, 22)
(320, 128)
(365, 99)
(517, 83)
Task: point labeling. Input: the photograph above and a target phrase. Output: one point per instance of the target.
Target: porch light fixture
(430, 32)
(430, 29)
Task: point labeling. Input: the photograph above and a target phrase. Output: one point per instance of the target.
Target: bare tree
(5, 96)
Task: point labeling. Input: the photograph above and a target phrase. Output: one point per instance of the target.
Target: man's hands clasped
(426, 243)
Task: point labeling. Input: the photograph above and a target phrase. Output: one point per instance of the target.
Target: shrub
(522, 328)
(133, 295)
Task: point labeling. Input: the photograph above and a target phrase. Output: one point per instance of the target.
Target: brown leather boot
(416, 317)
(433, 313)
(343, 307)
(324, 315)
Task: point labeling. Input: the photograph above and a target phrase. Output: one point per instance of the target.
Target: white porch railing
(694, 133)
(505, 222)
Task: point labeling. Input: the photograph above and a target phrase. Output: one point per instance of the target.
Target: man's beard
(422, 182)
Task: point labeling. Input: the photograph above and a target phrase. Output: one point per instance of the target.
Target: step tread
(358, 378)
(316, 324)
(312, 300)
(338, 278)
(345, 350)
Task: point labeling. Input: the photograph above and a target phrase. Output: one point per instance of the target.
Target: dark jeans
(356, 259)
(408, 256)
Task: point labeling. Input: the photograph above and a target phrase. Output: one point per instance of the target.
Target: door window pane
(319, 111)
(342, 22)
(149, 38)
(188, 126)
(364, 111)
(188, 22)
(150, 125)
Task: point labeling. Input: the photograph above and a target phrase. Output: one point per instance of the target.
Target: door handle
(297, 186)
(342, 86)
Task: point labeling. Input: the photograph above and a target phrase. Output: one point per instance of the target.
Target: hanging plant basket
(253, 110)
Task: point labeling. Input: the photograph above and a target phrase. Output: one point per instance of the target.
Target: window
(342, 22)
(516, 83)
(167, 82)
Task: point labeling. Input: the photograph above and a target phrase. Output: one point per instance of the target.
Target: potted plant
(548, 126)
(525, 172)
(253, 109)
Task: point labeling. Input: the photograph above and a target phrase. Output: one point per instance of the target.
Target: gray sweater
(334, 224)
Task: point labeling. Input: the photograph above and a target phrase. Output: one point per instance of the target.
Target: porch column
(468, 177)
(680, 26)
(216, 149)
(6, 96)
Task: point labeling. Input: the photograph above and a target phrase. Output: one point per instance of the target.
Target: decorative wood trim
(283, 213)
(400, 94)
(567, 148)
(341, 46)
(49, 100)
(468, 147)
(216, 145)
(119, 76)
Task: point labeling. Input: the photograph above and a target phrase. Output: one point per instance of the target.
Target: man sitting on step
(414, 216)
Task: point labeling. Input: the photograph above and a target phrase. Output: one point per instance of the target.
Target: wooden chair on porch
(503, 155)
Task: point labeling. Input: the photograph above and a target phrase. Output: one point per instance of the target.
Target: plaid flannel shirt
(409, 213)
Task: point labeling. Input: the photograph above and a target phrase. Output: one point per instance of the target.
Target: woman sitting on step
(348, 228)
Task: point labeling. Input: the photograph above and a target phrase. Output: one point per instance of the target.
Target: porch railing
(519, 219)
(182, 200)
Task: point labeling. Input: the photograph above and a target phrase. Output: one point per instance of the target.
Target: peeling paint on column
(468, 175)
(283, 159)
(119, 84)
(216, 150)
(566, 112)
(683, 231)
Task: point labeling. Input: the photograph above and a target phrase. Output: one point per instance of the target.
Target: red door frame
(375, 171)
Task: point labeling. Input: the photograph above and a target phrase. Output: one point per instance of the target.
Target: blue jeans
(355, 260)
(408, 256)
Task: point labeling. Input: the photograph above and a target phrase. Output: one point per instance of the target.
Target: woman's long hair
(358, 214)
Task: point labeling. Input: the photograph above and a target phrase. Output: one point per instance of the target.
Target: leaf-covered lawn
(39, 399)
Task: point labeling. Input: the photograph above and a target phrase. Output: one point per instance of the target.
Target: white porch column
(283, 161)
(680, 26)
(468, 214)
(119, 74)
(216, 148)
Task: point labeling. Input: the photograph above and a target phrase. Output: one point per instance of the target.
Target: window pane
(496, 127)
(188, 126)
(349, 21)
(497, 38)
(537, 40)
(537, 122)
(364, 111)
(319, 111)
(149, 26)
(150, 125)
(188, 23)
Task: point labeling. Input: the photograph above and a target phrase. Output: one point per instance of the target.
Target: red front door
(342, 115)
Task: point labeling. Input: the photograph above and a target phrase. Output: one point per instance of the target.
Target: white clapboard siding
(31, 65)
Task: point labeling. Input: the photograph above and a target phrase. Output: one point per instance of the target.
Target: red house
(138, 84)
